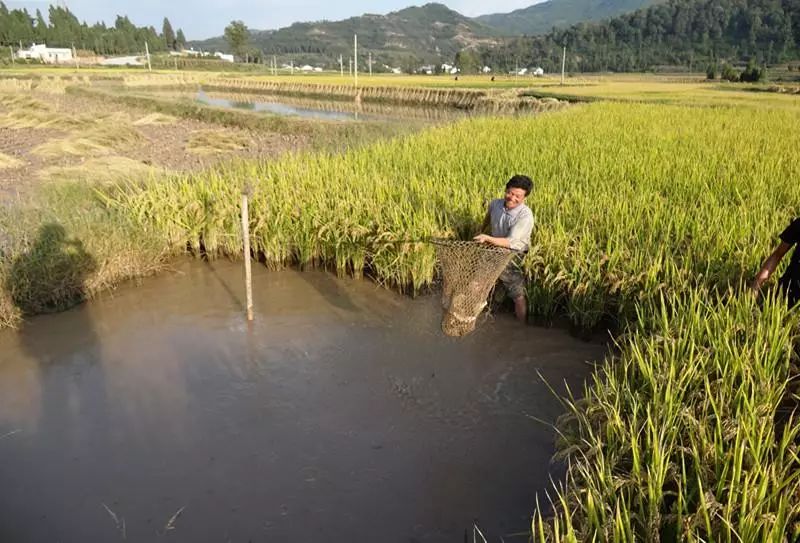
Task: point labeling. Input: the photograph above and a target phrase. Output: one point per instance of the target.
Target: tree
(729, 73)
(752, 74)
(468, 61)
(237, 36)
(169, 35)
(41, 27)
(181, 39)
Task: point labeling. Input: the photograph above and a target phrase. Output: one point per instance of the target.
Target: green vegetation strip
(650, 217)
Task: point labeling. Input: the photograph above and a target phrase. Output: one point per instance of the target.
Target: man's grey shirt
(515, 224)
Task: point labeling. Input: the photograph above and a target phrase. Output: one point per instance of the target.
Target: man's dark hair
(520, 182)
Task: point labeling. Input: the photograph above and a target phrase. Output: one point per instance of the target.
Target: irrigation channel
(342, 413)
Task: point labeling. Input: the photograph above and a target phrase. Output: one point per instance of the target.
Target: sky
(204, 19)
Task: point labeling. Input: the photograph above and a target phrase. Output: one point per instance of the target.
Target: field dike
(649, 218)
(471, 99)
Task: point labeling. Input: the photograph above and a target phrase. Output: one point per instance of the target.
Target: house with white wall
(48, 55)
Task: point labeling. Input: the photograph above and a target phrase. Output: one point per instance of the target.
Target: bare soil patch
(42, 152)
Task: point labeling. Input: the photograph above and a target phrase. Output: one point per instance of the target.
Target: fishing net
(469, 271)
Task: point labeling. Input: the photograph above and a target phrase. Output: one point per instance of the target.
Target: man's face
(514, 197)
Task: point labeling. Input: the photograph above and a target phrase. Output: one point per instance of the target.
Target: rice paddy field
(652, 217)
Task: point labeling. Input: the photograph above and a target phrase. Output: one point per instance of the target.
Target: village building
(224, 56)
(48, 55)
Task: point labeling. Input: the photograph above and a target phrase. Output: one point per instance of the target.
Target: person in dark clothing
(790, 281)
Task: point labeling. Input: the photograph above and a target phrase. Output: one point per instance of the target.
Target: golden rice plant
(650, 218)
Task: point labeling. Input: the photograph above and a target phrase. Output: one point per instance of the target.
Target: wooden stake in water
(248, 284)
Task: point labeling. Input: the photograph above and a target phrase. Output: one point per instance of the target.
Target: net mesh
(469, 271)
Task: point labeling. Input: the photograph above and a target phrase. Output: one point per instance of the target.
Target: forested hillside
(409, 37)
(687, 33)
(542, 17)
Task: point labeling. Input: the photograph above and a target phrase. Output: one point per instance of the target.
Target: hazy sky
(201, 19)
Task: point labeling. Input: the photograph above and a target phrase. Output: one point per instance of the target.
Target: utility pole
(147, 52)
(370, 63)
(291, 66)
(11, 49)
(274, 65)
(75, 56)
(350, 67)
(341, 66)
(563, 63)
(355, 62)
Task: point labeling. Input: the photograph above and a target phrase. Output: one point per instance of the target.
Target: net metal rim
(472, 243)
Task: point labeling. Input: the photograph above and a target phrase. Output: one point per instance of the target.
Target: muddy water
(341, 414)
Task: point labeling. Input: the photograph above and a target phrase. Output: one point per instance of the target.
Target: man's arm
(499, 242)
(518, 239)
(770, 264)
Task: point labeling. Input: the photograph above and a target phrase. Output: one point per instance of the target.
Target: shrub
(729, 73)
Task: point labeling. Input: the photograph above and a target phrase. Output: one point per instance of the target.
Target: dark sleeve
(792, 233)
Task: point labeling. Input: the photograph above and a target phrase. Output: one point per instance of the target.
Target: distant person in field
(790, 281)
(511, 223)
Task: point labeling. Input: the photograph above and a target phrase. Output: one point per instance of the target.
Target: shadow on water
(330, 289)
(51, 276)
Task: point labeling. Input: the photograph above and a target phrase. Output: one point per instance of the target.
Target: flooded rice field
(332, 110)
(340, 414)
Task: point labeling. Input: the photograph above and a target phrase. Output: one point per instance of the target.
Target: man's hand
(482, 238)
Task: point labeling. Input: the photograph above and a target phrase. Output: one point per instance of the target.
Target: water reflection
(338, 110)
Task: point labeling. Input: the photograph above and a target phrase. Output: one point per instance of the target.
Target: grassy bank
(650, 216)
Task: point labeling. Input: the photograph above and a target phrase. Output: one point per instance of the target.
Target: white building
(122, 61)
(538, 72)
(486, 69)
(223, 56)
(48, 55)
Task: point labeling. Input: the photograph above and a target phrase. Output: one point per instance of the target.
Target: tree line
(63, 29)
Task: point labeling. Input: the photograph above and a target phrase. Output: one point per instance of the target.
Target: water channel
(331, 110)
(342, 413)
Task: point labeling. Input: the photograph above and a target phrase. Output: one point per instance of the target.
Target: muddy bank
(342, 413)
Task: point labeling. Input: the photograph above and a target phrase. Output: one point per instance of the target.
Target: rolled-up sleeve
(520, 234)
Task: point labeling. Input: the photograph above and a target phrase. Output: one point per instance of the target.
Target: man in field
(511, 223)
(790, 281)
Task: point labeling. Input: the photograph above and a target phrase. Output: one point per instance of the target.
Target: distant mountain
(430, 33)
(541, 18)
